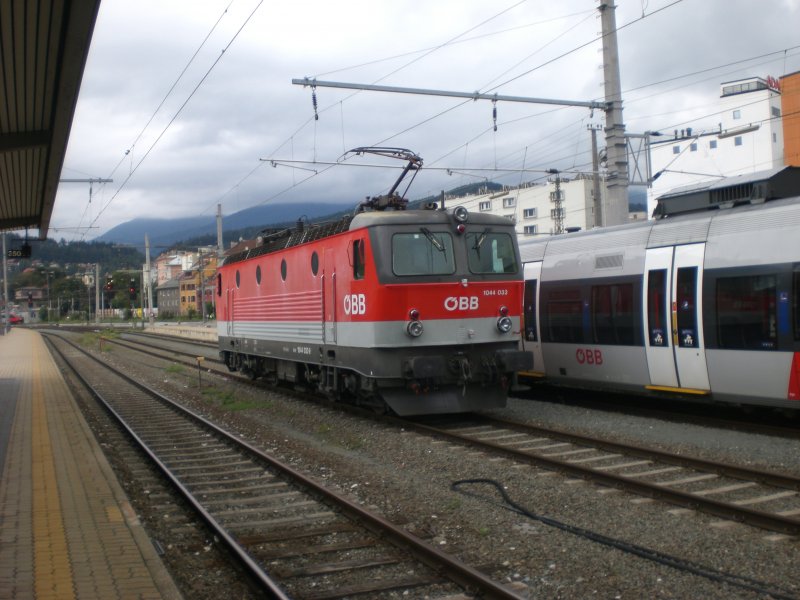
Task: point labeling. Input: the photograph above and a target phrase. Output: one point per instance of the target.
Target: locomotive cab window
(422, 253)
(219, 284)
(490, 252)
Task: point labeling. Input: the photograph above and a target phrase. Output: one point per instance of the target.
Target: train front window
(423, 252)
(491, 252)
(747, 312)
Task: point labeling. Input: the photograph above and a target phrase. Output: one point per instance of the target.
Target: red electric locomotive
(414, 310)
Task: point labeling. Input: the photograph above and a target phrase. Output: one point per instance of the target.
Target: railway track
(770, 501)
(296, 538)
(760, 422)
(755, 497)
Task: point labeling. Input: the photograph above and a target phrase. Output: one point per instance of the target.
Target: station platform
(67, 530)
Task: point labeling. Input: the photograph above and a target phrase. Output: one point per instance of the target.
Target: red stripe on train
(794, 378)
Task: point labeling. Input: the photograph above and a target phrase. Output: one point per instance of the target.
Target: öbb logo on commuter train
(452, 303)
(589, 356)
(355, 304)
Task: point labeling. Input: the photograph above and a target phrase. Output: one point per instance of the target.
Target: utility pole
(220, 248)
(97, 293)
(598, 203)
(557, 199)
(148, 279)
(202, 285)
(616, 144)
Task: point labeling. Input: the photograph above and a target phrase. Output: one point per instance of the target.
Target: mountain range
(165, 233)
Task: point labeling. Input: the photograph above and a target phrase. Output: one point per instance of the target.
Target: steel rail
(459, 572)
(725, 510)
(252, 566)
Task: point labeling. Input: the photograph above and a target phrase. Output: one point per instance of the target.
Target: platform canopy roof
(43, 50)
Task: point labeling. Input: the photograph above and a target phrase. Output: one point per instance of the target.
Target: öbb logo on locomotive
(355, 304)
(453, 303)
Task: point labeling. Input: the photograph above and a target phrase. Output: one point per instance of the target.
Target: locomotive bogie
(701, 306)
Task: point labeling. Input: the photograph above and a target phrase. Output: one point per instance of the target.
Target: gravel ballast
(407, 478)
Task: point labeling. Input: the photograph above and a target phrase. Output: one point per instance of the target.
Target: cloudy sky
(181, 101)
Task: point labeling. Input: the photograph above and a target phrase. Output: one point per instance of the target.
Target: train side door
(328, 297)
(687, 317)
(531, 336)
(673, 317)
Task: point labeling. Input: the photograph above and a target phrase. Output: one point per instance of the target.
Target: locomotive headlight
(414, 328)
(504, 324)
(413, 314)
(461, 214)
(503, 311)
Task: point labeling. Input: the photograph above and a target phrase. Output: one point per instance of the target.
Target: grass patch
(453, 504)
(226, 399)
(352, 443)
(174, 369)
(95, 339)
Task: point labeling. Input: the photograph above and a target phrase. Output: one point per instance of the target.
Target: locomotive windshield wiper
(481, 239)
(432, 239)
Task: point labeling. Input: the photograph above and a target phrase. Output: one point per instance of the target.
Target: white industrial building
(748, 137)
(539, 209)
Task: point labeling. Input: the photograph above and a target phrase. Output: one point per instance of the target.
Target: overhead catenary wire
(325, 109)
(180, 109)
(161, 104)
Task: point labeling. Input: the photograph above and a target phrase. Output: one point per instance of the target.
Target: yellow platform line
(51, 567)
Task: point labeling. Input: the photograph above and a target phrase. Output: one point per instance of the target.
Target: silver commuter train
(702, 305)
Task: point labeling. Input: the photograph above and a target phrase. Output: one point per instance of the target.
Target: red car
(13, 319)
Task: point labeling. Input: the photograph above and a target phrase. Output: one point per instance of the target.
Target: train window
(314, 263)
(258, 274)
(747, 315)
(422, 253)
(657, 331)
(529, 310)
(491, 252)
(219, 284)
(612, 314)
(359, 259)
(237, 278)
(687, 307)
(283, 269)
(565, 322)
